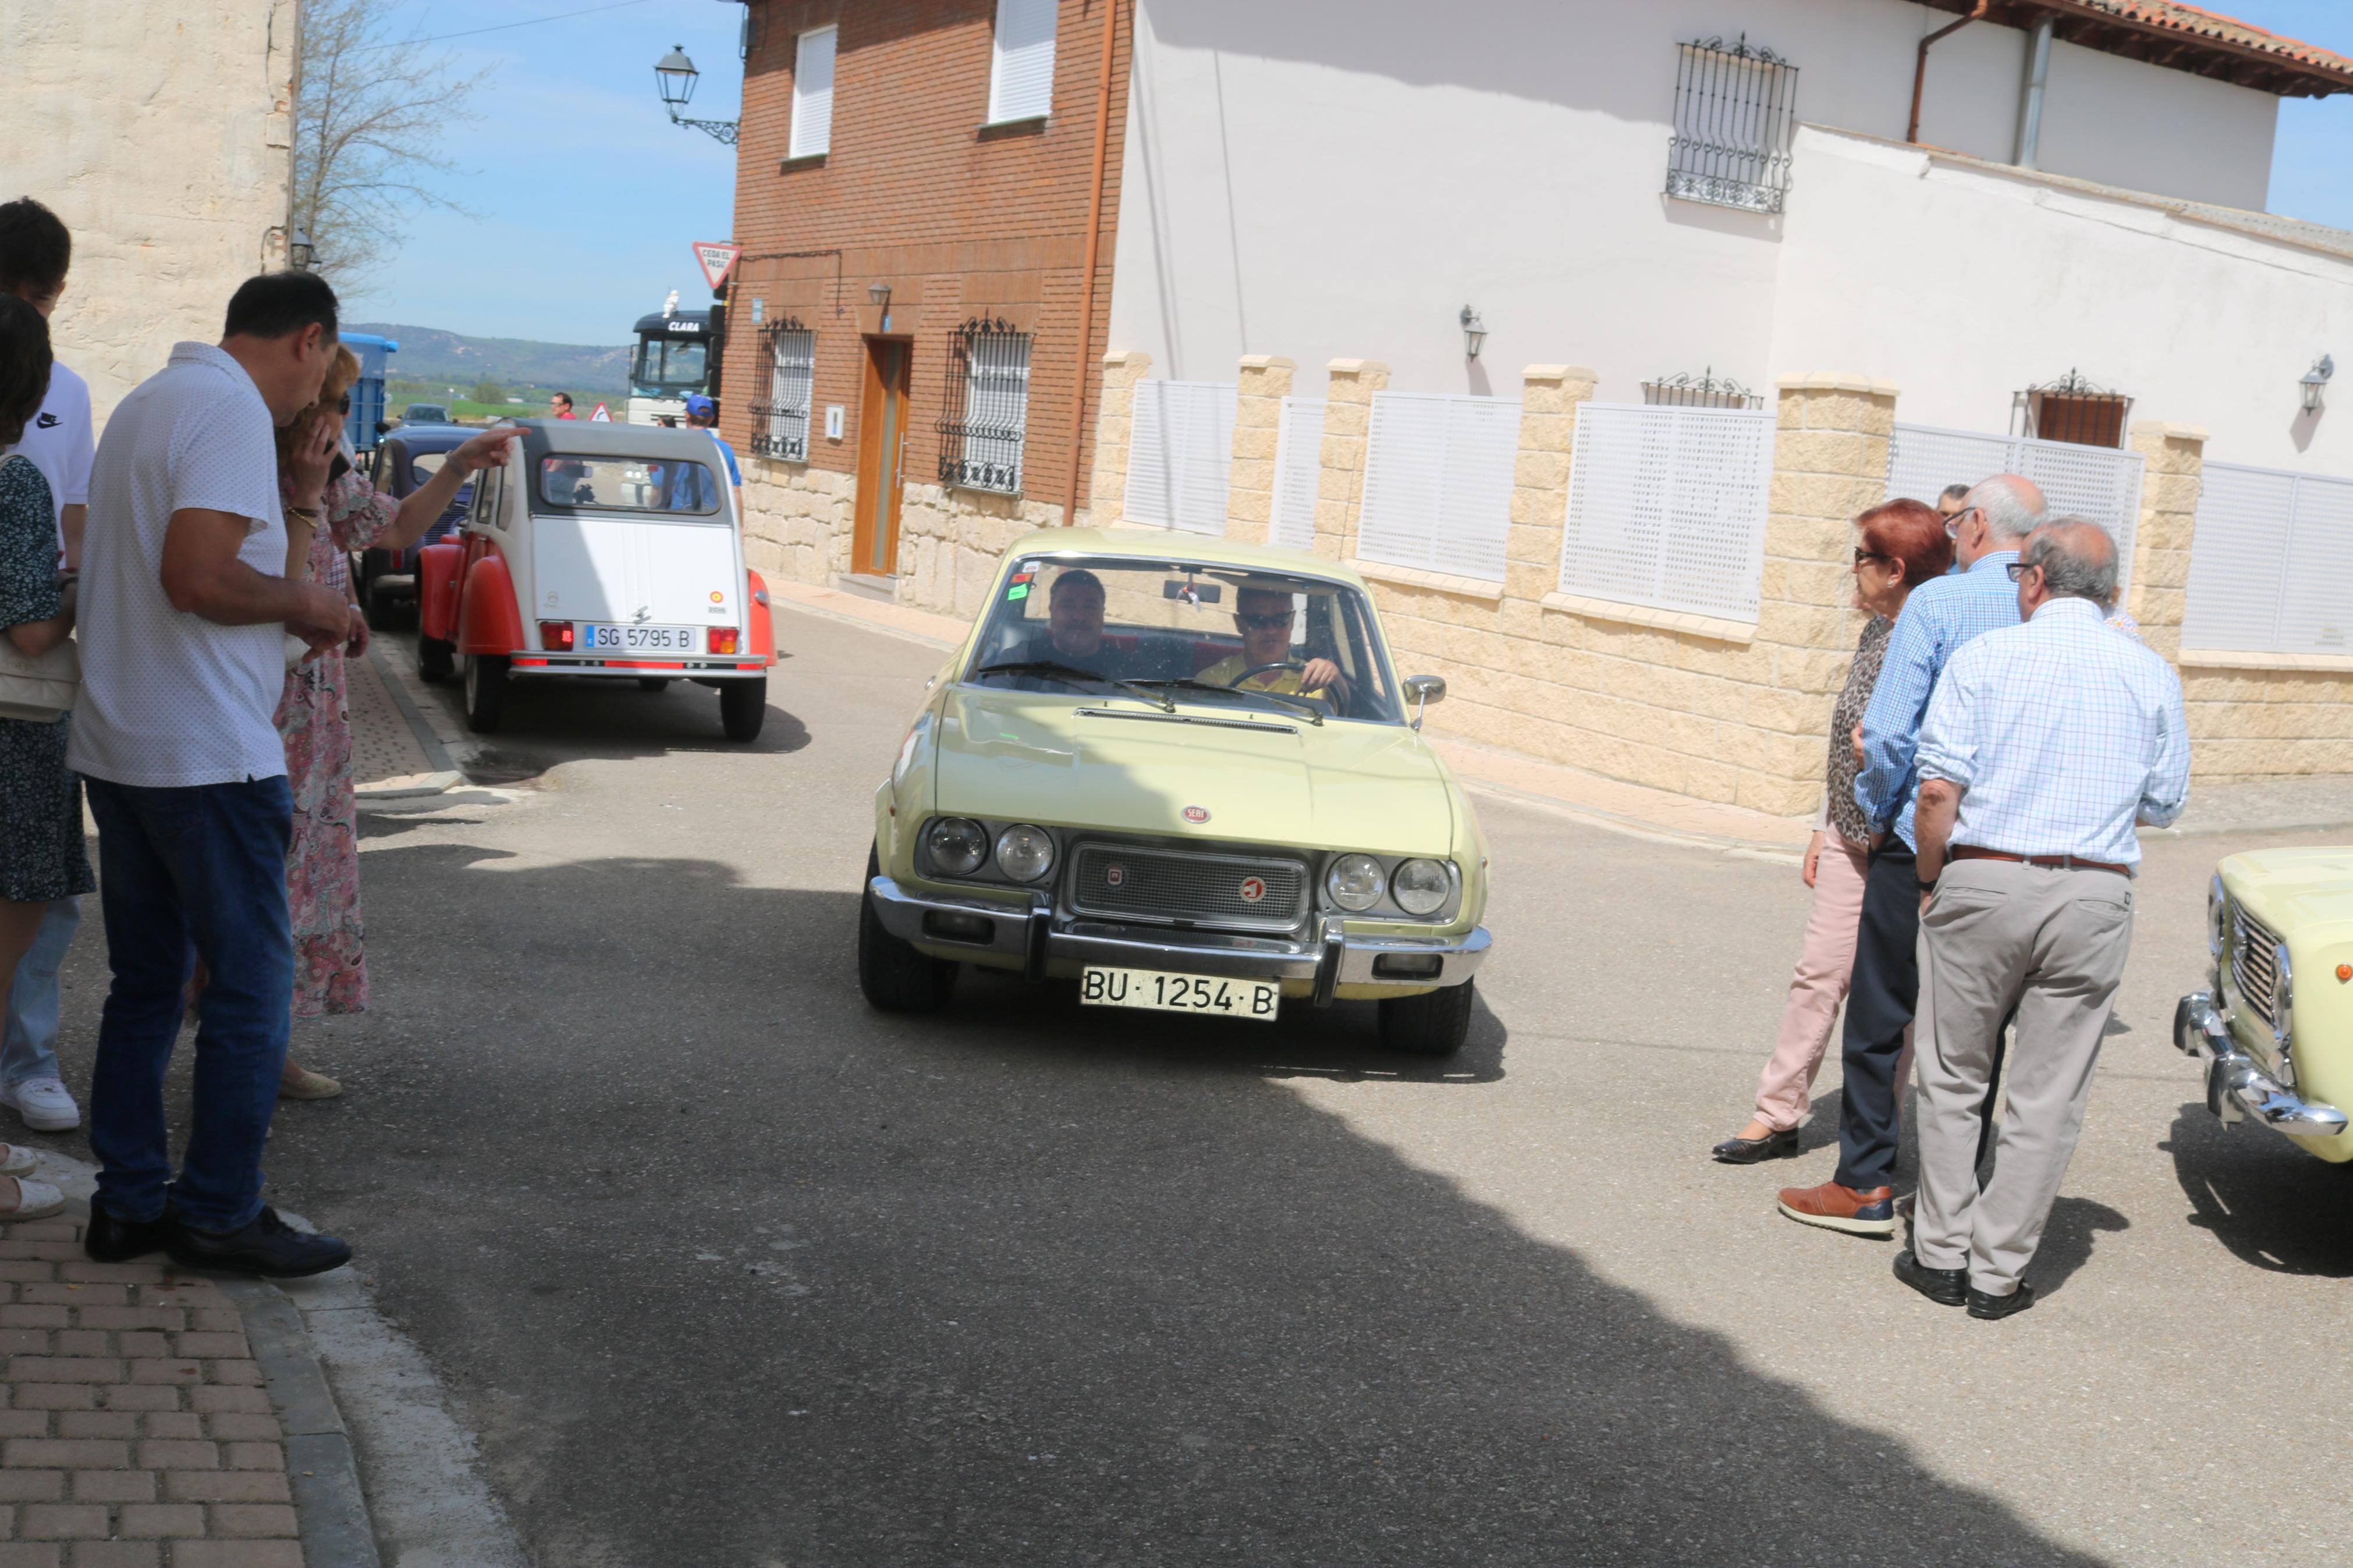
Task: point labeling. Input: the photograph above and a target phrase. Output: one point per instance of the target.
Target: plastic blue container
(367, 393)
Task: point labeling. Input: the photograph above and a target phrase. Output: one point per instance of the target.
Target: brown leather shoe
(1858, 1212)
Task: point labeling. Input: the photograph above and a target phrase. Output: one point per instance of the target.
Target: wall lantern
(880, 294)
(2314, 381)
(1474, 332)
(300, 254)
(674, 77)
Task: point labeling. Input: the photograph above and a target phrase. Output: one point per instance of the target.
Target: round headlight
(1025, 853)
(1353, 881)
(1420, 886)
(958, 845)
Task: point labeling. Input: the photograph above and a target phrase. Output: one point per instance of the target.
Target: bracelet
(1926, 884)
(310, 511)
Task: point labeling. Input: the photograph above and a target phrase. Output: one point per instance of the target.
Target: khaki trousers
(2052, 943)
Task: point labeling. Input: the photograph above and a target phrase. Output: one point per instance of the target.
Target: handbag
(39, 688)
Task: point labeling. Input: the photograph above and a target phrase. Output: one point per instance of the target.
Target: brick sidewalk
(137, 1433)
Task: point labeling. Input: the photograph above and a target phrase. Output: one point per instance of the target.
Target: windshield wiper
(1071, 675)
(1301, 704)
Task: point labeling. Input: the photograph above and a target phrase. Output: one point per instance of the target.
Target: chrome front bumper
(2236, 1088)
(1030, 934)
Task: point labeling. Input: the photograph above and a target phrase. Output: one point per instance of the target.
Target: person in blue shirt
(1938, 619)
(692, 495)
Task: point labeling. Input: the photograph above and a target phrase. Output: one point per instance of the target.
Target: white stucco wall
(162, 134)
(1331, 178)
(2201, 324)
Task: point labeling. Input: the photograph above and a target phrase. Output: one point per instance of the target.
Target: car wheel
(1433, 1024)
(743, 708)
(486, 691)
(652, 683)
(436, 660)
(895, 977)
(381, 616)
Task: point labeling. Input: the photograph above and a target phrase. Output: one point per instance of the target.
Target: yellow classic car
(2275, 1023)
(1181, 773)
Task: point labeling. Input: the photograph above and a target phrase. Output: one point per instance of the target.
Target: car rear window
(629, 484)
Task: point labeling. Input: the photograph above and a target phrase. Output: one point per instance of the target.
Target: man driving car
(1265, 616)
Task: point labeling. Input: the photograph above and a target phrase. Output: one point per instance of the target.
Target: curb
(445, 765)
(330, 1508)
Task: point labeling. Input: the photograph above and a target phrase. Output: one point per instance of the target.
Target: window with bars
(988, 417)
(1736, 105)
(780, 399)
(1706, 390)
(2073, 409)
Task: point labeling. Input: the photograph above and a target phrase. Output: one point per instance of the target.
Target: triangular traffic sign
(717, 259)
(600, 415)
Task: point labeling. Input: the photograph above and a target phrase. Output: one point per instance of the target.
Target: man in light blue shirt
(2044, 744)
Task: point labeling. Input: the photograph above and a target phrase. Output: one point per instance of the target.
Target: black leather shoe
(269, 1246)
(106, 1239)
(1779, 1146)
(1989, 1307)
(1946, 1286)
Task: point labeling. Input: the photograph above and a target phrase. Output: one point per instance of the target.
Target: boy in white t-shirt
(35, 252)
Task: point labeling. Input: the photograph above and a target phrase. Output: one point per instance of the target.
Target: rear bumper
(2236, 1088)
(534, 663)
(1031, 934)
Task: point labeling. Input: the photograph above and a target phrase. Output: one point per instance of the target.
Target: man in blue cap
(690, 494)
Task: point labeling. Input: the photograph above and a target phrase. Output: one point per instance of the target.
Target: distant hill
(430, 354)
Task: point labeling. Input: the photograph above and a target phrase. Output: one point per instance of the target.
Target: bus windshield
(670, 363)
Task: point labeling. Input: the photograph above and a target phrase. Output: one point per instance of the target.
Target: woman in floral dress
(322, 862)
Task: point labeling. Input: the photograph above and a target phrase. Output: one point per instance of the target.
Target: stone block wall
(1264, 383)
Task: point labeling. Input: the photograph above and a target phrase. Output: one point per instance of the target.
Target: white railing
(1298, 473)
(2102, 483)
(1180, 454)
(1437, 482)
(1667, 508)
(2271, 569)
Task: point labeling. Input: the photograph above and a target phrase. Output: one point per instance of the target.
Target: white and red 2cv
(609, 552)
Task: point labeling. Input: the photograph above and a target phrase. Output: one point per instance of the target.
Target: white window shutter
(813, 93)
(1437, 482)
(1021, 74)
(1180, 448)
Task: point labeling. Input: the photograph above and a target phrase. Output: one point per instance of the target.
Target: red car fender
(436, 589)
(761, 633)
(488, 621)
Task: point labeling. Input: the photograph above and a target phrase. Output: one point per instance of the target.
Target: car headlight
(2282, 996)
(1355, 881)
(958, 845)
(2218, 905)
(1025, 853)
(1420, 886)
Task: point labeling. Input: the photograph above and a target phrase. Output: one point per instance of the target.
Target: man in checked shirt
(2043, 744)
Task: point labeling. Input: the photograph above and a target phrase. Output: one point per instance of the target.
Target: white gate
(1437, 482)
(1298, 473)
(2102, 483)
(1181, 453)
(2271, 570)
(1667, 507)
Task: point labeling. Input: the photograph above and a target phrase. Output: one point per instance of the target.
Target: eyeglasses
(1953, 523)
(1264, 623)
(343, 404)
(1862, 555)
(2019, 569)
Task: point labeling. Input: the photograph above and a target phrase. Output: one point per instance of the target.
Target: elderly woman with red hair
(1900, 545)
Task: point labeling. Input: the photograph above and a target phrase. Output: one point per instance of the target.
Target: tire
(894, 977)
(1434, 1023)
(743, 708)
(652, 683)
(436, 660)
(381, 616)
(486, 692)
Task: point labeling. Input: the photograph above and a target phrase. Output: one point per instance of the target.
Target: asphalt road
(725, 1270)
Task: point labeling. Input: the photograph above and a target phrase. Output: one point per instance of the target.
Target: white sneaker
(35, 1200)
(43, 1103)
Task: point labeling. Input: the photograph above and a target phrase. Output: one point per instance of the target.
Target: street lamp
(2314, 381)
(1474, 332)
(300, 254)
(674, 79)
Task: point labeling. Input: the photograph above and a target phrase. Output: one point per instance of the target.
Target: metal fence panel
(2271, 570)
(2102, 483)
(1180, 454)
(1667, 508)
(1298, 473)
(1437, 482)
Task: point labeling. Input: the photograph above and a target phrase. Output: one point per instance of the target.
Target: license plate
(639, 639)
(1162, 992)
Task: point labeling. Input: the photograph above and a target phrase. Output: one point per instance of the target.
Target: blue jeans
(30, 1049)
(201, 870)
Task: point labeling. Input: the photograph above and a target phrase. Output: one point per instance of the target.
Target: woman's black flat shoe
(1781, 1145)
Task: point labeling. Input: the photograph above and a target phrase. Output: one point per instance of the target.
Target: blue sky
(587, 198)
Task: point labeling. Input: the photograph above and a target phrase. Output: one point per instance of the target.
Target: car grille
(1188, 886)
(2254, 964)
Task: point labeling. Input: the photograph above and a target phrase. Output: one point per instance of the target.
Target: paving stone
(75, 1269)
(23, 1272)
(179, 1424)
(76, 1294)
(178, 1454)
(226, 1485)
(244, 1428)
(226, 1346)
(112, 1486)
(53, 1396)
(28, 1424)
(18, 1316)
(239, 1374)
(156, 1520)
(143, 1344)
(230, 1555)
(66, 1453)
(64, 1368)
(97, 1423)
(139, 1396)
(62, 1521)
(146, 1371)
(32, 1486)
(253, 1519)
(253, 1457)
(164, 1319)
(115, 1555)
(29, 1554)
(45, 1230)
(212, 1399)
(215, 1319)
(24, 1342)
(82, 1341)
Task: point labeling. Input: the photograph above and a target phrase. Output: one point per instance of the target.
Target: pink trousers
(1825, 964)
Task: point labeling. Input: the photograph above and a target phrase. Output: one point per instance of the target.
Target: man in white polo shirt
(35, 252)
(183, 599)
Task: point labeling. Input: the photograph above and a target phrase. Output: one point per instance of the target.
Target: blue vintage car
(404, 460)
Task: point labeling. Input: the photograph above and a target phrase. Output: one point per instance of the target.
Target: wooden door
(881, 458)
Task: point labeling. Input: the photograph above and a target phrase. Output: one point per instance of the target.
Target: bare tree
(368, 123)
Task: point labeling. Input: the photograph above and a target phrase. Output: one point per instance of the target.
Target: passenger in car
(1074, 629)
(1265, 616)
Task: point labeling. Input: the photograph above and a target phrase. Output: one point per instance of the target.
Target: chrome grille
(2254, 964)
(1188, 886)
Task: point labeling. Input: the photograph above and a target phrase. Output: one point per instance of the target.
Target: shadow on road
(2272, 1204)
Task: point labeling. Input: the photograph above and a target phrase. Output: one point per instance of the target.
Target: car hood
(1056, 759)
(2292, 890)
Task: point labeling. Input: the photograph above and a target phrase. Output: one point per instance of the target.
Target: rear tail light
(556, 636)
(722, 639)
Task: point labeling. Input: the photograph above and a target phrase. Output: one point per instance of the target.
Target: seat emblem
(1114, 875)
(1197, 814)
(1253, 889)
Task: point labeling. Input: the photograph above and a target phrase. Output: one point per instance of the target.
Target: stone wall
(163, 136)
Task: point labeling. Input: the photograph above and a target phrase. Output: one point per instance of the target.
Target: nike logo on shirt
(47, 421)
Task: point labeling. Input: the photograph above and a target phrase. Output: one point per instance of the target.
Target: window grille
(988, 417)
(2270, 566)
(1437, 482)
(2075, 480)
(780, 403)
(2072, 409)
(1298, 473)
(1702, 391)
(1736, 105)
(1667, 507)
(812, 127)
(1180, 449)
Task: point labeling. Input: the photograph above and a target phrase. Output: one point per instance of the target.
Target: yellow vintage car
(2275, 1026)
(1181, 773)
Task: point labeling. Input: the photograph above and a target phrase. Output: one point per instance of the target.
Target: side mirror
(1421, 691)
